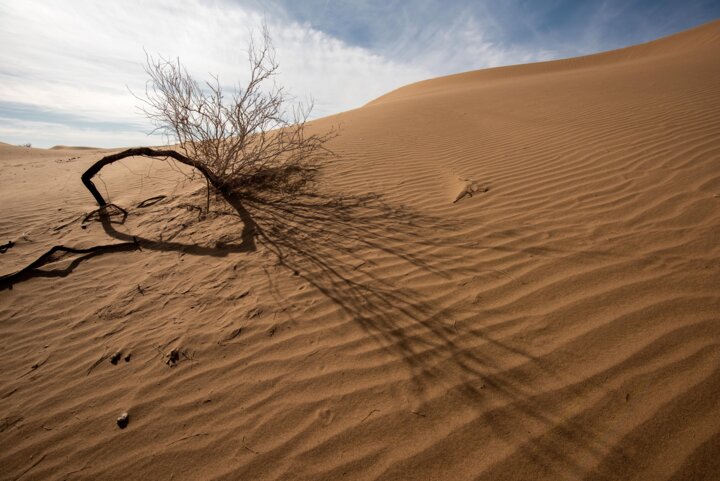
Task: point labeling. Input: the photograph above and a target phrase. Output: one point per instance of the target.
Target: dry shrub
(248, 136)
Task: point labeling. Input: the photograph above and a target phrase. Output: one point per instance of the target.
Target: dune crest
(72, 147)
(559, 323)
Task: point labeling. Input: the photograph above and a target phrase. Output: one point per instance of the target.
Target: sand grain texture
(561, 322)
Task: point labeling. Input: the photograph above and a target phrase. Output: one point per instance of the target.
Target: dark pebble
(123, 420)
(115, 357)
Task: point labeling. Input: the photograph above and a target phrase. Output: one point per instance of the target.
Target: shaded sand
(558, 320)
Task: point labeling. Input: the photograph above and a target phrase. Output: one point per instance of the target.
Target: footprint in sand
(326, 416)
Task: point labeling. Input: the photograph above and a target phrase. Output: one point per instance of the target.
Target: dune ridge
(506, 274)
(71, 147)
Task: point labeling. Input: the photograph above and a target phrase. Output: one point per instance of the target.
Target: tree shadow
(336, 242)
(340, 243)
(247, 237)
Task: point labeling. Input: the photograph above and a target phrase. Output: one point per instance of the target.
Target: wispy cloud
(75, 59)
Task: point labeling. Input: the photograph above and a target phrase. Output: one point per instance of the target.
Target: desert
(504, 274)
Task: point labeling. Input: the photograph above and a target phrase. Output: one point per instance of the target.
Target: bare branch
(230, 139)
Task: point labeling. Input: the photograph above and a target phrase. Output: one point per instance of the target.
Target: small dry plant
(247, 138)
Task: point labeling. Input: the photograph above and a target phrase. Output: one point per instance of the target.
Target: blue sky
(66, 65)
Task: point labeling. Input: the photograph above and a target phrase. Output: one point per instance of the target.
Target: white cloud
(466, 44)
(78, 57)
(46, 134)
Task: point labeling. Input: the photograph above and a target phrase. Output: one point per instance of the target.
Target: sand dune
(67, 147)
(507, 274)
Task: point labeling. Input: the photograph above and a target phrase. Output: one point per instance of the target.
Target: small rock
(115, 357)
(127, 358)
(123, 420)
(172, 357)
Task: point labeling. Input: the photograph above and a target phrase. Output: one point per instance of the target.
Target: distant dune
(67, 147)
(507, 274)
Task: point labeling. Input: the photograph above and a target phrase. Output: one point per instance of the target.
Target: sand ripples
(562, 324)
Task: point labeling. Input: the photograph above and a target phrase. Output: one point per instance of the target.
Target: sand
(510, 274)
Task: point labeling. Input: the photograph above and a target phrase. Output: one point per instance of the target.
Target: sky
(68, 67)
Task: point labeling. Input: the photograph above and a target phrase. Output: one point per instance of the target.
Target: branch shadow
(340, 243)
(246, 244)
